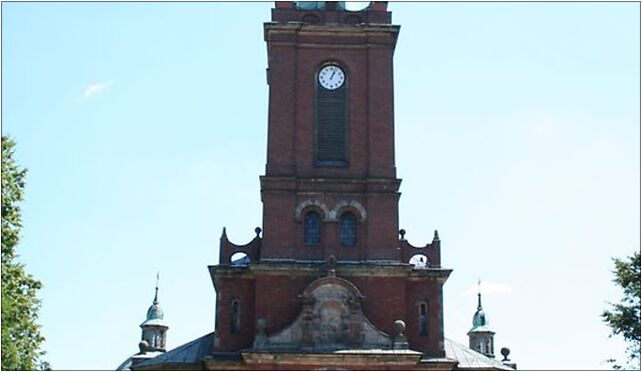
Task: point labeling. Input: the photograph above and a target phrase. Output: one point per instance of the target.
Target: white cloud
(489, 288)
(96, 88)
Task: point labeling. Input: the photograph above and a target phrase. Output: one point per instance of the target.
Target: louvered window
(331, 126)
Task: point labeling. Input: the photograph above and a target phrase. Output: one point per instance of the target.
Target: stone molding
(330, 215)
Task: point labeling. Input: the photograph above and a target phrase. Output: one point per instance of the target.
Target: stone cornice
(336, 35)
(339, 185)
(398, 358)
(328, 28)
(318, 268)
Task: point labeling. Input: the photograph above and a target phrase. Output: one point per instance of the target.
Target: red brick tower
(331, 274)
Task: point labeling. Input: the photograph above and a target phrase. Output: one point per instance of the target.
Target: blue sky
(143, 126)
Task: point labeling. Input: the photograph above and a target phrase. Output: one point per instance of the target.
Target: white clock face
(331, 77)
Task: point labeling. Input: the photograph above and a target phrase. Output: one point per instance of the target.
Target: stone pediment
(330, 319)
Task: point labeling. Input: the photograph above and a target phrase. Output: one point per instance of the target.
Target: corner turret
(154, 327)
(154, 335)
(480, 336)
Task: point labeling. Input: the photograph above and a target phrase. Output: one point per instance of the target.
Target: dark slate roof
(127, 364)
(191, 353)
(470, 359)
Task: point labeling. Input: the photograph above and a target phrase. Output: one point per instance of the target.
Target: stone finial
(257, 231)
(224, 234)
(399, 342)
(507, 362)
(261, 324)
(400, 327)
(143, 346)
(436, 236)
(332, 265)
(261, 341)
(402, 232)
(505, 351)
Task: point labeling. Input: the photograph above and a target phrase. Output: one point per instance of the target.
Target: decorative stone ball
(143, 346)
(400, 327)
(257, 231)
(505, 351)
(261, 324)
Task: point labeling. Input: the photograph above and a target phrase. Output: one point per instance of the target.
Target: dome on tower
(155, 311)
(480, 319)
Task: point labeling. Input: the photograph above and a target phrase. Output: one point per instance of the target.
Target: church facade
(329, 282)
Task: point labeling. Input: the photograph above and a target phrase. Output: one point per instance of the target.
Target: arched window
(348, 224)
(331, 119)
(423, 318)
(235, 321)
(312, 228)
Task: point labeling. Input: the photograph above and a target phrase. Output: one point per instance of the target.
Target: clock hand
(331, 76)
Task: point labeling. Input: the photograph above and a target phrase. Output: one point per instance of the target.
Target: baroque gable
(330, 319)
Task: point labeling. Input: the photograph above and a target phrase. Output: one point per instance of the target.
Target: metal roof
(154, 322)
(127, 364)
(190, 353)
(470, 359)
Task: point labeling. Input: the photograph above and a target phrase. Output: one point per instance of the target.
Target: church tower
(331, 270)
(329, 282)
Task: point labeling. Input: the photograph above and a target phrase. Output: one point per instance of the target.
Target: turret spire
(156, 294)
(479, 305)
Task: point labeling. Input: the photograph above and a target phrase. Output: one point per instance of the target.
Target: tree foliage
(21, 338)
(624, 317)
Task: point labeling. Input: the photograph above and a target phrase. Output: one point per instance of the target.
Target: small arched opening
(420, 261)
(240, 259)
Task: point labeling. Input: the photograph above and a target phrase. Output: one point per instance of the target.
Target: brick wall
(366, 185)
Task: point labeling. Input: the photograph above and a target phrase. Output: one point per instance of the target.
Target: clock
(331, 77)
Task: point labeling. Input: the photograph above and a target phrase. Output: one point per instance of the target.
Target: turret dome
(155, 311)
(480, 319)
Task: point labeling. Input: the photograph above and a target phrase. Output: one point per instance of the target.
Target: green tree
(624, 317)
(21, 338)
